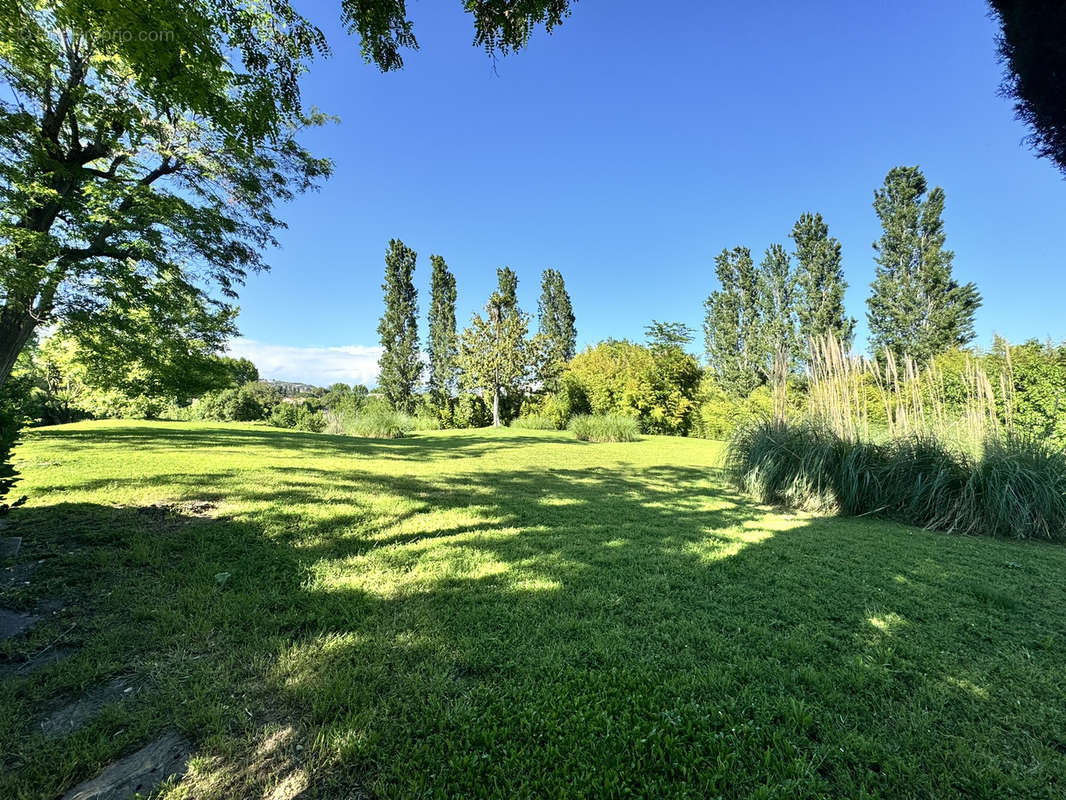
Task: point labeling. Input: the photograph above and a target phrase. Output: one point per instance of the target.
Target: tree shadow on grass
(538, 632)
(414, 447)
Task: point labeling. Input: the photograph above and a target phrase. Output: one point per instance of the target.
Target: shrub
(1018, 489)
(534, 422)
(10, 422)
(1015, 488)
(605, 428)
(376, 421)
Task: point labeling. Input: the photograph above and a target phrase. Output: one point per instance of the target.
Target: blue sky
(631, 146)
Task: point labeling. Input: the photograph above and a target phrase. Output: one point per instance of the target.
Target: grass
(515, 614)
(604, 428)
(1015, 487)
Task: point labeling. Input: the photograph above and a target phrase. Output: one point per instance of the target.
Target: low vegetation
(511, 613)
(1015, 488)
(534, 422)
(604, 428)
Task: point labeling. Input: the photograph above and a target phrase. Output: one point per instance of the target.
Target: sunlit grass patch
(515, 613)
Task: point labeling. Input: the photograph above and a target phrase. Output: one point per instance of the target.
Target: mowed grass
(514, 613)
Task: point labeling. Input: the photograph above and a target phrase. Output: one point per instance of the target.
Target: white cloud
(321, 366)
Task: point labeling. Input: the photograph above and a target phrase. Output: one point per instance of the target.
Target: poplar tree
(820, 284)
(777, 287)
(400, 365)
(732, 326)
(916, 307)
(443, 342)
(557, 340)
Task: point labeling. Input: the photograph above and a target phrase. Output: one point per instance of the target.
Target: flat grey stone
(69, 718)
(9, 546)
(12, 623)
(52, 655)
(141, 772)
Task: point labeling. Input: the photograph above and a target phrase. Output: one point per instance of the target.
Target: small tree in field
(494, 352)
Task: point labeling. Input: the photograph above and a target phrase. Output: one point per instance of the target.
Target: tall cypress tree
(442, 336)
(732, 324)
(558, 331)
(916, 307)
(400, 365)
(820, 283)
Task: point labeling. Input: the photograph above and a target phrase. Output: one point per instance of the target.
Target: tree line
(757, 325)
(494, 356)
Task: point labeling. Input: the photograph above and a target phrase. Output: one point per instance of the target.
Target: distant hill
(291, 388)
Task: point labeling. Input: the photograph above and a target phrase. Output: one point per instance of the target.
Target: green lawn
(514, 614)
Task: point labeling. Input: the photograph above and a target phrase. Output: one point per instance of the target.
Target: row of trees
(758, 323)
(494, 356)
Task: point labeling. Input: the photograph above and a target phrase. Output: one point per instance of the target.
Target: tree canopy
(1032, 47)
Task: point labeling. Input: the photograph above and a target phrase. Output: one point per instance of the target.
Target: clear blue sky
(632, 145)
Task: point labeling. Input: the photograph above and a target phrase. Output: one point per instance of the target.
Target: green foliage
(139, 174)
(376, 420)
(732, 327)
(617, 377)
(240, 370)
(916, 308)
(499, 27)
(534, 422)
(667, 335)
(1030, 47)
(240, 404)
(494, 353)
(471, 411)
(820, 283)
(443, 341)
(297, 416)
(1016, 488)
(10, 423)
(557, 328)
(604, 428)
(719, 414)
(400, 363)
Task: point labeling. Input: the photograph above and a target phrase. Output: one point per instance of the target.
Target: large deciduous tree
(442, 336)
(820, 284)
(143, 150)
(494, 353)
(400, 363)
(777, 285)
(732, 327)
(916, 307)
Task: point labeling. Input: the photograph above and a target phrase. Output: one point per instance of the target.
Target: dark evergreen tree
(443, 341)
(1031, 49)
(820, 284)
(732, 324)
(400, 364)
(916, 307)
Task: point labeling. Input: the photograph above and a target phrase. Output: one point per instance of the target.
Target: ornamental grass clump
(604, 428)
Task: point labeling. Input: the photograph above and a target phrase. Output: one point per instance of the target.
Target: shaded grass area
(514, 613)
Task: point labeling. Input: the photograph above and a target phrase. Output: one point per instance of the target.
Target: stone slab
(140, 772)
(52, 655)
(10, 546)
(12, 623)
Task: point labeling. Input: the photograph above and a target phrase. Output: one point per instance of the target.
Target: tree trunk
(15, 330)
(495, 406)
